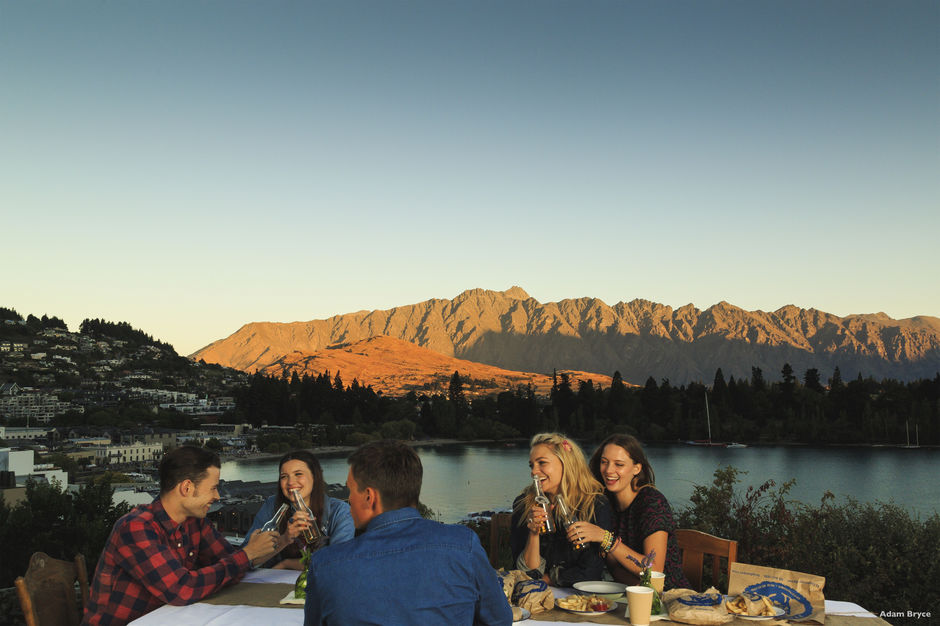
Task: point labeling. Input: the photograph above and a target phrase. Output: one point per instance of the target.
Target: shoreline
(334, 451)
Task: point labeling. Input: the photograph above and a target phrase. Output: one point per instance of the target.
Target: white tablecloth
(221, 615)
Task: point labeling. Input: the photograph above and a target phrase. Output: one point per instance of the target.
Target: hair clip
(566, 445)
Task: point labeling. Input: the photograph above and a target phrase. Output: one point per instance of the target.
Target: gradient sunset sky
(191, 166)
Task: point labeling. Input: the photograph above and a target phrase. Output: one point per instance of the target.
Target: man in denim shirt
(402, 569)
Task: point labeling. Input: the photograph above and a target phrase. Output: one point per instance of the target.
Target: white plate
(757, 618)
(606, 588)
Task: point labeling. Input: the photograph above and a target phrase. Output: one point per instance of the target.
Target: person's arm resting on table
(156, 566)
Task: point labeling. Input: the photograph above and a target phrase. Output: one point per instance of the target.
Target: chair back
(47, 591)
(695, 545)
(499, 531)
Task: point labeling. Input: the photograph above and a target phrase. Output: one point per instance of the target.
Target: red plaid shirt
(150, 560)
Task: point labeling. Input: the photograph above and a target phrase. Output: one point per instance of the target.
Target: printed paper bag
(700, 609)
(509, 580)
(534, 595)
(800, 595)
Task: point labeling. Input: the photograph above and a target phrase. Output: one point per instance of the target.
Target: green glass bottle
(300, 587)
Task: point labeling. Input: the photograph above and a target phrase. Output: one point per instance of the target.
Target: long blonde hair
(578, 486)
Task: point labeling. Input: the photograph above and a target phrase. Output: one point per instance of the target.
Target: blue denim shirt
(405, 569)
(338, 521)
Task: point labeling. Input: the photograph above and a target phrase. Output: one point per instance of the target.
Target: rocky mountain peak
(510, 330)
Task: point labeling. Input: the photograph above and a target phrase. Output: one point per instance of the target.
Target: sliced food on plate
(585, 604)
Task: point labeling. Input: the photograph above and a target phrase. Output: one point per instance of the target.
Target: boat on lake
(708, 442)
(907, 431)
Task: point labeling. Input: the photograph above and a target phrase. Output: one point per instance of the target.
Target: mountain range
(640, 339)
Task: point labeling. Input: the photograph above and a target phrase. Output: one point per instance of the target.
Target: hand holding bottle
(299, 523)
(540, 519)
(268, 540)
(262, 545)
(309, 529)
(588, 532)
(536, 519)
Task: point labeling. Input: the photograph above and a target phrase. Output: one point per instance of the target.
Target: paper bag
(534, 595)
(800, 595)
(690, 607)
(509, 580)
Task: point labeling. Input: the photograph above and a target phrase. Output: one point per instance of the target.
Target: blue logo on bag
(525, 587)
(795, 606)
(701, 599)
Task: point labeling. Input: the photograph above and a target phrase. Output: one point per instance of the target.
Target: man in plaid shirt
(167, 552)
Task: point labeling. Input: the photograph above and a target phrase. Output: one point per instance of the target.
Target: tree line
(33, 324)
(121, 331)
(791, 410)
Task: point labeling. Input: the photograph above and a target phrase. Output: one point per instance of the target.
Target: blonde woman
(559, 464)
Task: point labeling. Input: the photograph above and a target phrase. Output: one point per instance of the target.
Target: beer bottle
(274, 522)
(311, 534)
(548, 526)
(566, 518)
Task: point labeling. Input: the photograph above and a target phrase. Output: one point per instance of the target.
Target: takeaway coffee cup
(639, 605)
(657, 579)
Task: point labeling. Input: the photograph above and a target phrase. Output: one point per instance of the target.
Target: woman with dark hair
(643, 523)
(301, 470)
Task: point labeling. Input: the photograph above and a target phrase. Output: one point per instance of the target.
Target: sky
(192, 166)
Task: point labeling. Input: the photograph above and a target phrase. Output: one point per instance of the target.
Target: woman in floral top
(643, 522)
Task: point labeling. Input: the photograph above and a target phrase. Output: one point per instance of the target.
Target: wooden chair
(47, 591)
(695, 545)
(499, 529)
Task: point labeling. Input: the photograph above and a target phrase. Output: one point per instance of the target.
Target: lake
(463, 479)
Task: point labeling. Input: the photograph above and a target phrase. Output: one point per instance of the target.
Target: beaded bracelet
(608, 542)
(614, 545)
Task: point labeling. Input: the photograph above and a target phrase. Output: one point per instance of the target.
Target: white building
(202, 406)
(193, 438)
(87, 442)
(40, 408)
(128, 453)
(162, 395)
(22, 464)
(23, 433)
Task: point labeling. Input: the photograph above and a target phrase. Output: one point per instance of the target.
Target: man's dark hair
(392, 468)
(186, 462)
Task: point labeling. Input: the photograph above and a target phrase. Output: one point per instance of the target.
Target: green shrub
(874, 554)
(57, 523)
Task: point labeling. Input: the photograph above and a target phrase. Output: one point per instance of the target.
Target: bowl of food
(604, 588)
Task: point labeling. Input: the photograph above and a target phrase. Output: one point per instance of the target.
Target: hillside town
(63, 401)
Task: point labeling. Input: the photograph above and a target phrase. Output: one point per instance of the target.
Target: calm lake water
(464, 479)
